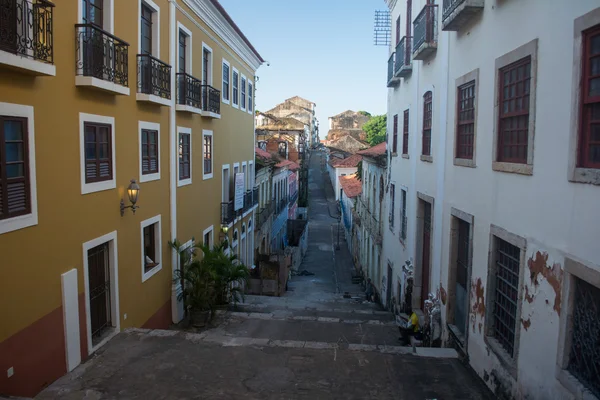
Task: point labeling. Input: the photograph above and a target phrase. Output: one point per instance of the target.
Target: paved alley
(311, 343)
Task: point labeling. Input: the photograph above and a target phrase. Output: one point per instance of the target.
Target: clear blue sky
(321, 50)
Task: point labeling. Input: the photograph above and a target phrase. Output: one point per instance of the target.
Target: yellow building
(92, 96)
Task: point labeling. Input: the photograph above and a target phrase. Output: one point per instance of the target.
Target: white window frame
(209, 78)
(223, 92)
(250, 104)
(108, 15)
(87, 188)
(233, 85)
(251, 175)
(224, 198)
(188, 48)
(113, 252)
(31, 219)
(188, 181)
(155, 27)
(143, 125)
(206, 132)
(245, 171)
(211, 230)
(157, 244)
(243, 92)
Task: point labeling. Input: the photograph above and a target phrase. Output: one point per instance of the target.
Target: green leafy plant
(365, 113)
(375, 129)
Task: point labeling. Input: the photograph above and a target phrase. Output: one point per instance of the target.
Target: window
(93, 12)
(243, 96)
(151, 247)
(506, 294)
(262, 145)
(395, 137)
(465, 121)
(392, 205)
(225, 86)
(408, 21)
(14, 167)
(149, 152)
(206, 64)
(427, 117)
(236, 81)
(405, 133)
(282, 149)
(98, 152)
(397, 30)
(207, 151)
(584, 347)
(403, 217)
(250, 96)
(207, 236)
(589, 132)
(185, 160)
(513, 117)
(183, 58)
(146, 29)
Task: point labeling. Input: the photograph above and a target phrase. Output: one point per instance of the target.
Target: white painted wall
(334, 175)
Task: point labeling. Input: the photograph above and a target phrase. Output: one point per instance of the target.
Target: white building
(371, 210)
(510, 191)
(351, 190)
(338, 167)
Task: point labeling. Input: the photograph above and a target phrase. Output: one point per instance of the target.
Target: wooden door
(99, 290)
(426, 257)
(146, 48)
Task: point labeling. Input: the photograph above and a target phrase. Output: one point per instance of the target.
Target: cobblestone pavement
(309, 344)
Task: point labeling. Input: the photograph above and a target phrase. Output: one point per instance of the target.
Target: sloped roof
(375, 151)
(304, 102)
(351, 186)
(349, 162)
(260, 153)
(348, 144)
(281, 123)
(287, 163)
(347, 112)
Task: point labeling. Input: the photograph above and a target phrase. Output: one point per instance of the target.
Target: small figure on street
(369, 290)
(408, 328)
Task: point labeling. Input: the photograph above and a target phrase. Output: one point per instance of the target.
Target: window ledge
(464, 162)
(19, 222)
(100, 84)
(27, 65)
(87, 188)
(406, 156)
(207, 176)
(509, 363)
(523, 169)
(152, 98)
(150, 177)
(586, 175)
(394, 154)
(427, 158)
(184, 182)
(426, 50)
(572, 384)
(190, 109)
(155, 269)
(210, 114)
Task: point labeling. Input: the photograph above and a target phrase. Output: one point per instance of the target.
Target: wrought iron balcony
(102, 56)
(255, 196)
(153, 77)
(265, 213)
(425, 32)
(189, 91)
(456, 13)
(247, 200)
(227, 213)
(403, 66)
(211, 100)
(26, 29)
(392, 80)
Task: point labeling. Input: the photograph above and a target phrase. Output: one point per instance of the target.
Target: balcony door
(97, 55)
(182, 81)
(426, 255)
(146, 49)
(99, 291)
(8, 22)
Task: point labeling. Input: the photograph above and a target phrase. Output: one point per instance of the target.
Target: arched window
(427, 118)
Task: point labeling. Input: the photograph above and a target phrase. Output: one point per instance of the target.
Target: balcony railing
(154, 76)
(281, 205)
(255, 196)
(402, 66)
(390, 77)
(211, 99)
(189, 91)
(265, 213)
(101, 55)
(227, 213)
(247, 200)
(293, 198)
(456, 13)
(425, 32)
(26, 29)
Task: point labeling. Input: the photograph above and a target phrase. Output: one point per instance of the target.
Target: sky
(321, 50)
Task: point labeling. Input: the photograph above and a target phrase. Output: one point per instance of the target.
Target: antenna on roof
(382, 28)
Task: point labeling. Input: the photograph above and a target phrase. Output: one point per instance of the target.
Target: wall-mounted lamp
(224, 229)
(133, 191)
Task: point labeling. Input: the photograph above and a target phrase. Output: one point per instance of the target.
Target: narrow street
(310, 343)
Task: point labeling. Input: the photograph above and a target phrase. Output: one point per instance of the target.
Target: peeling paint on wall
(526, 323)
(478, 301)
(553, 275)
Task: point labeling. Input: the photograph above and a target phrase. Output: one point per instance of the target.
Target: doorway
(425, 251)
(388, 292)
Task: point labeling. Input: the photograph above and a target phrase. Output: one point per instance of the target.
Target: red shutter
(398, 30)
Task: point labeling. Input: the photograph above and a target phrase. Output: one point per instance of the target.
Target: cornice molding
(207, 12)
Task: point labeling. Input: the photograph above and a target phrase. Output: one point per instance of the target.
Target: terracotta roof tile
(377, 150)
(265, 155)
(287, 163)
(349, 162)
(351, 186)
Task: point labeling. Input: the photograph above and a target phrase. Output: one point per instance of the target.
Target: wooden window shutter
(14, 168)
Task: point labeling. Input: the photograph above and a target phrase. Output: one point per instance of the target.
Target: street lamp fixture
(133, 191)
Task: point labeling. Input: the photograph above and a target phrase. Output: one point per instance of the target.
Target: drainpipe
(176, 307)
